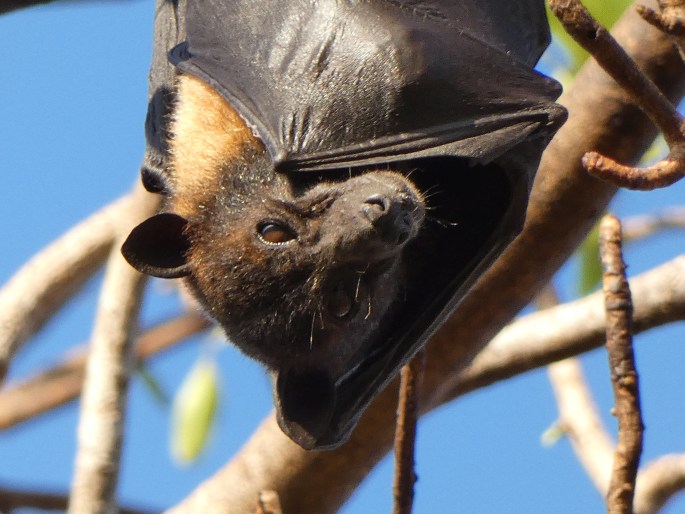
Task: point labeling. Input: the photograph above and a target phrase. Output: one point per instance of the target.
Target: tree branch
(578, 416)
(12, 499)
(658, 482)
(624, 378)
(100, 430)
(645, 225)
(655, 484)
(109, 364)
(594, 38)
(529, 342)
(560, 332)
(580, 420)
(61, 384)
(671, 20)
(268, 503)
(405, 435)
(565, 203)
(53, 276)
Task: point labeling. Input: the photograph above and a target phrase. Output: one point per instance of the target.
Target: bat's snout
(386, 209)
(393, 217)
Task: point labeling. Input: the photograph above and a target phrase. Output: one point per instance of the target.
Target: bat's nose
(391, 216)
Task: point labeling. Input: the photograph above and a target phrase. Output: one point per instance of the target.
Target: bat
(340, 173)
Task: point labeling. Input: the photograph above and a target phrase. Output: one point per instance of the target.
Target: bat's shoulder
(207, 134)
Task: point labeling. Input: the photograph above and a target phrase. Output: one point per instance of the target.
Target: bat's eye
(274, 234)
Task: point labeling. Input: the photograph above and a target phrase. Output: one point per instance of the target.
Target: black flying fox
(341, 171)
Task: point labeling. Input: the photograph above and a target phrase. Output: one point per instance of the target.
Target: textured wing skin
(329, 83)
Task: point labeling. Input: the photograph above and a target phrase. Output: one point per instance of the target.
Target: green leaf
(657, 150)
(590, 265)
(552, 435)
(194, 411)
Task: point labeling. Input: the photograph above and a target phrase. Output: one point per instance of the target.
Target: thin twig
(585, 30)
(268, 503)
(619, 310)
(671, 20)
(662, 174)
(52, 276)
(645, 225)
(656, 483)
(578, 415)
(580, 420)
(62, 383)
(12, 499)
(405, 435)
(100, 430)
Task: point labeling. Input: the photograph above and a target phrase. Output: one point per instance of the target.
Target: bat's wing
(446, 84)
(331, 84)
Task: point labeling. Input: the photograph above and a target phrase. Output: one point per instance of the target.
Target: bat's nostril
(377, 203)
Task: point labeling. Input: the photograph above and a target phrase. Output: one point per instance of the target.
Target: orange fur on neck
(207, 133)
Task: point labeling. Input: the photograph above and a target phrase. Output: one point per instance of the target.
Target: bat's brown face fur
(297, 279)
(298, 275)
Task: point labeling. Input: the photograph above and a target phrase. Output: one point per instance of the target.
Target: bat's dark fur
(305, 304)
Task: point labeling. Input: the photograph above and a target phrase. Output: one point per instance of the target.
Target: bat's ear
(305, 401)
(158, 246)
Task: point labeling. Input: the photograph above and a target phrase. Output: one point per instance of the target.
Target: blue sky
(72, 107)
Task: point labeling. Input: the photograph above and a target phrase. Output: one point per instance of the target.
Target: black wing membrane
(330, 83)
(445, 87)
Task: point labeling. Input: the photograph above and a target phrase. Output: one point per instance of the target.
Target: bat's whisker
(311, 333)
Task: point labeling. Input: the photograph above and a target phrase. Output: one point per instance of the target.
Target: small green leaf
(552, 435)
(590, 266)
(194, 411)
(656, 151)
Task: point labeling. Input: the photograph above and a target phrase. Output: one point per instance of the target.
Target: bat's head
(299, 273)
